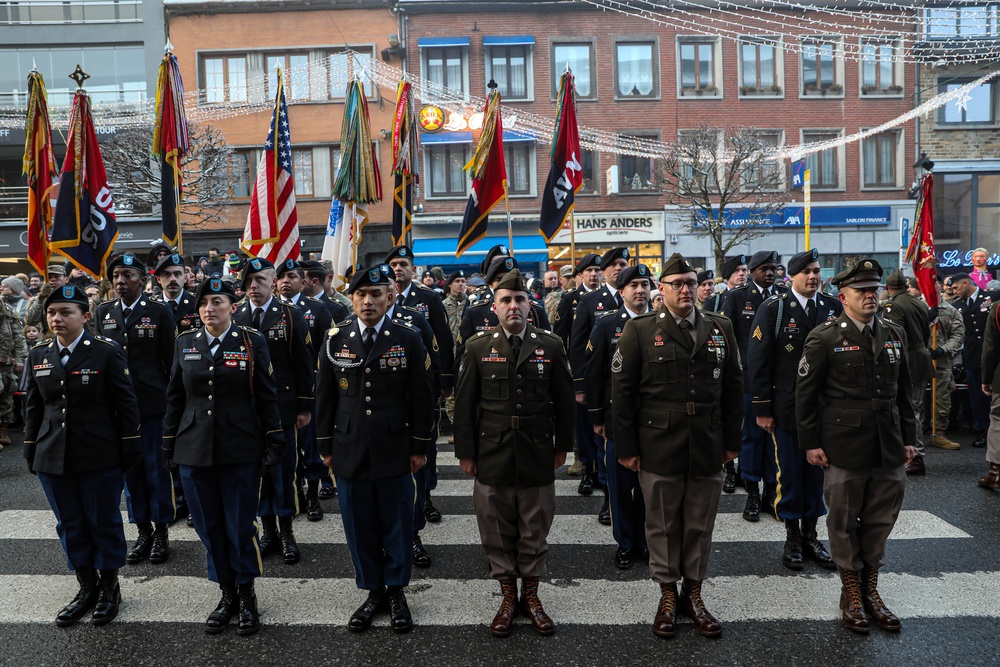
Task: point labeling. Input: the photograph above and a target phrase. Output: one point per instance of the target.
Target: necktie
(869, 335)
(619, 300)
(515, 345)
(64, 355)
(126, 313)
(213, 346)
(811, 311)
(686, 327)
(173, 306)
(369, 339)
(258, 318)
(766, 292)
(400, 299)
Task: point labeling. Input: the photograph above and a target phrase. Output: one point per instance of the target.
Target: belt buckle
(690, 408)
(515, 422)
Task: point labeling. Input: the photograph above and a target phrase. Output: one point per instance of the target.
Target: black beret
(896, 280)
(312, 266)
(212, 286)
(676, 264)
(866, 273)
(455, 276)
(762, 257)
(127, 260)
(255, 265)
(168, 261)
(286, 266)
(68, 294)
(500, 265)
(612, 255)
(730, 265)
(631, 273)
(399, 251)
(372, 277)
(800, 260)
(587, 261)
(708, 274)
(955, 277)
(499, 250)
(512, 280)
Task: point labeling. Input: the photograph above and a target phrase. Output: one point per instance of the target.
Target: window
(445, 67)
(824, 166)
(71, 11)
(225, 79)
(878, 68)
(979, 108)
(766, 174)
(118, 74)
(821, 68)
(760, 66)
(510, 67)
(302, 171)
(637, 174)
(589, 165)
(698, 66)
(879, 160)
(296, 73)
(447, 179)
(580, 58)
(240, 175)
(343, 67)
(520, 159)
(636, 71)
(952, 22)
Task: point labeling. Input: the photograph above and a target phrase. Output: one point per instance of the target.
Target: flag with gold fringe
(566, 175)
(170, 143)
(404, 163)
(488, 171)
(39, 168)
(921, 248)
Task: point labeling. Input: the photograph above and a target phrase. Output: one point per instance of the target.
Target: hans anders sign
(631, 226)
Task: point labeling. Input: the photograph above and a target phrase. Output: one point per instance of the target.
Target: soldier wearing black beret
(706, 285)
(169, 273)
(734, 273)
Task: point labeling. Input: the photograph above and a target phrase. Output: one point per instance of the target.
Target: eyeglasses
(678, 285)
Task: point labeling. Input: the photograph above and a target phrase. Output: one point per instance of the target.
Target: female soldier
(81, 432)
(220, 427)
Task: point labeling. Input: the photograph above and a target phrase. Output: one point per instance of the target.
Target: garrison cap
(612, 255)
(500, 265)
(68, 294)
(800, 260)
(286, 266)
(513, 279)
(708, 274)
(866, 273)
(896, 280)
(762, 257)
(730, 265)
(587, 261)
(213, 286)
(455, 276)
(676, 264)
(127, 260)
(168, 261)
(255, 265)
(371, 277)
(630, 273)
(400, 251)
(499, 250)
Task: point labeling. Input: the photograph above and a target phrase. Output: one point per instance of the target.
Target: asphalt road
(942, 576)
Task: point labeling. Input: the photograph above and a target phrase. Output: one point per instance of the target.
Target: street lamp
(921, 168)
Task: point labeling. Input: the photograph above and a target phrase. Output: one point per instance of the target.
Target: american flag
(272, 229)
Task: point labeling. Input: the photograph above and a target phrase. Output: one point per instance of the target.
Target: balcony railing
(69, 11)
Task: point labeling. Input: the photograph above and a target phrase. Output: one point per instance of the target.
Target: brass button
(519, 391)
(368, 370)
(211, 368)
(518, 377)
(368, 412)
(209, 383)
(368, 384)
(209, 413)
(368, 399)
(210, 397)
(63, 425)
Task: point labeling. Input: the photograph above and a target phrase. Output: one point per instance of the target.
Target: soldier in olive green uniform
(991, 364)
(13, 351)
(861, 432)
(677, 388)
(514, 416)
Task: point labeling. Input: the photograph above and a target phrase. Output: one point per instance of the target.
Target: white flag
(343, 225)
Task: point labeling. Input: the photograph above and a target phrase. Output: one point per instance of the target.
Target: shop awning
(436, 42)
(509, 40)
(529, 249)
(438, 138)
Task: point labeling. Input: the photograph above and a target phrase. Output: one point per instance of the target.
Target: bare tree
(135, 176)
(729, 183)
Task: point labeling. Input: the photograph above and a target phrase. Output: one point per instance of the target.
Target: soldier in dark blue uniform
(784, 321)
(374, 430)
(170, 274)
(289, 345)
(81, 429)
(627, 508)
(146, 331)
(600, 301)
(222, 426)
(734, 272)
(974, 304)
(757, 460)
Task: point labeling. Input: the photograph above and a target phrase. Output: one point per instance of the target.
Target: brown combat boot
(531, 607)
(992, 478)
(939, 440)
(694, 607)
(503, 622)
(873, 604)
(665, 621)
(4, 438)
(852, 611)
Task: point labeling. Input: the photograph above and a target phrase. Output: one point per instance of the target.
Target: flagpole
(354, 239)
(572, 212)
(510, 227)
(933, 387)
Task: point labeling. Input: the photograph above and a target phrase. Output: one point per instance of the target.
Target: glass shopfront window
(966, 216)
(650, 254)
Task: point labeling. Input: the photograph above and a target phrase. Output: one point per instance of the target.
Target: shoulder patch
(106, 341)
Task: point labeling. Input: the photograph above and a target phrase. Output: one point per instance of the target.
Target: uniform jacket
(740, 306)
(597, 367)
(773, 358)
(713, 303)
(685, 403)
(412, 318)
(428, 303)
(975, 317)
(991, 351)
(479, 316)
(186, 314)
(562, 325)
(288, 343)
(850, 401)
(374, 410)
(912, 315)
(591, 305)
(221, 410)
(338, 310)
(13, 346)
(950, 333)
(147, 339)
(317, 316)
(454, 307)
(513, 415)
(83, 416)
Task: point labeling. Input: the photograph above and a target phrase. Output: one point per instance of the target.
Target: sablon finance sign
(632, 226)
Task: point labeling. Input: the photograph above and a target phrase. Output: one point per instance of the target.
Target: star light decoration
(962, 103)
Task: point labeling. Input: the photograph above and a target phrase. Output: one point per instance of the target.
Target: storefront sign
(957, 259)
(821, 216)
(641, 226)
(431, 118)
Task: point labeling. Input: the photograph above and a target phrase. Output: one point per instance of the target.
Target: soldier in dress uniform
(375, 422)
(146, 331)
(677, 375)
(627, 508)
(221, 428)
(81, 430)
(597, 302)
(513, 428)
(706, 285)
(454, 306)
(313, 281)
(757, 458)
(784, 321)
(974, 305)
(328, 290)
(734, 272)
(991, 364)
(856, 420)
(170, 274)
(289, 345)
(478, 294)
(913, 315)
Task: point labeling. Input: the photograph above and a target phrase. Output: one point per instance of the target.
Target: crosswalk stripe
(578, 529)
(457, 602)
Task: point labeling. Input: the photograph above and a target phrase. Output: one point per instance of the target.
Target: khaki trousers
(864, 504)
(513, 526)
(945, 388)
(680, 518)
(993, 434)
(917, 392)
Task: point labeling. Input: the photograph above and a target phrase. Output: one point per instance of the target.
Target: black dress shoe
(289, 549)
(586, 486)
(268, 535)
(314, 512)
(604, 516)
(327, 492)
(109, 597)
(751, 511)
(249, 617)
(159, 552)
(190, 521)
(85, 598)
(140, 549)
(791, 555)
(431, 513)
(623, 558)
(420, 556)
(228, 607)
(729, 483)
(980, 441)
(399, 612)
(361, 619)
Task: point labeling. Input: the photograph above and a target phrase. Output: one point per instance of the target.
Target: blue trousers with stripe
(88, 516)
(278, 493)
(628, 508)
(378, 524)
(800, 484)
(149, 487)
(589, 445)
(223, 504)
(757, 452)
(425, 480)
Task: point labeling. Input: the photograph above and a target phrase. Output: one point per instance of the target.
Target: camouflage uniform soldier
(454, 306)
(13, 351)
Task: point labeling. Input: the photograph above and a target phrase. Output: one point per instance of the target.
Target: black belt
(686, 408)
(515, 422)
(875, 404)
